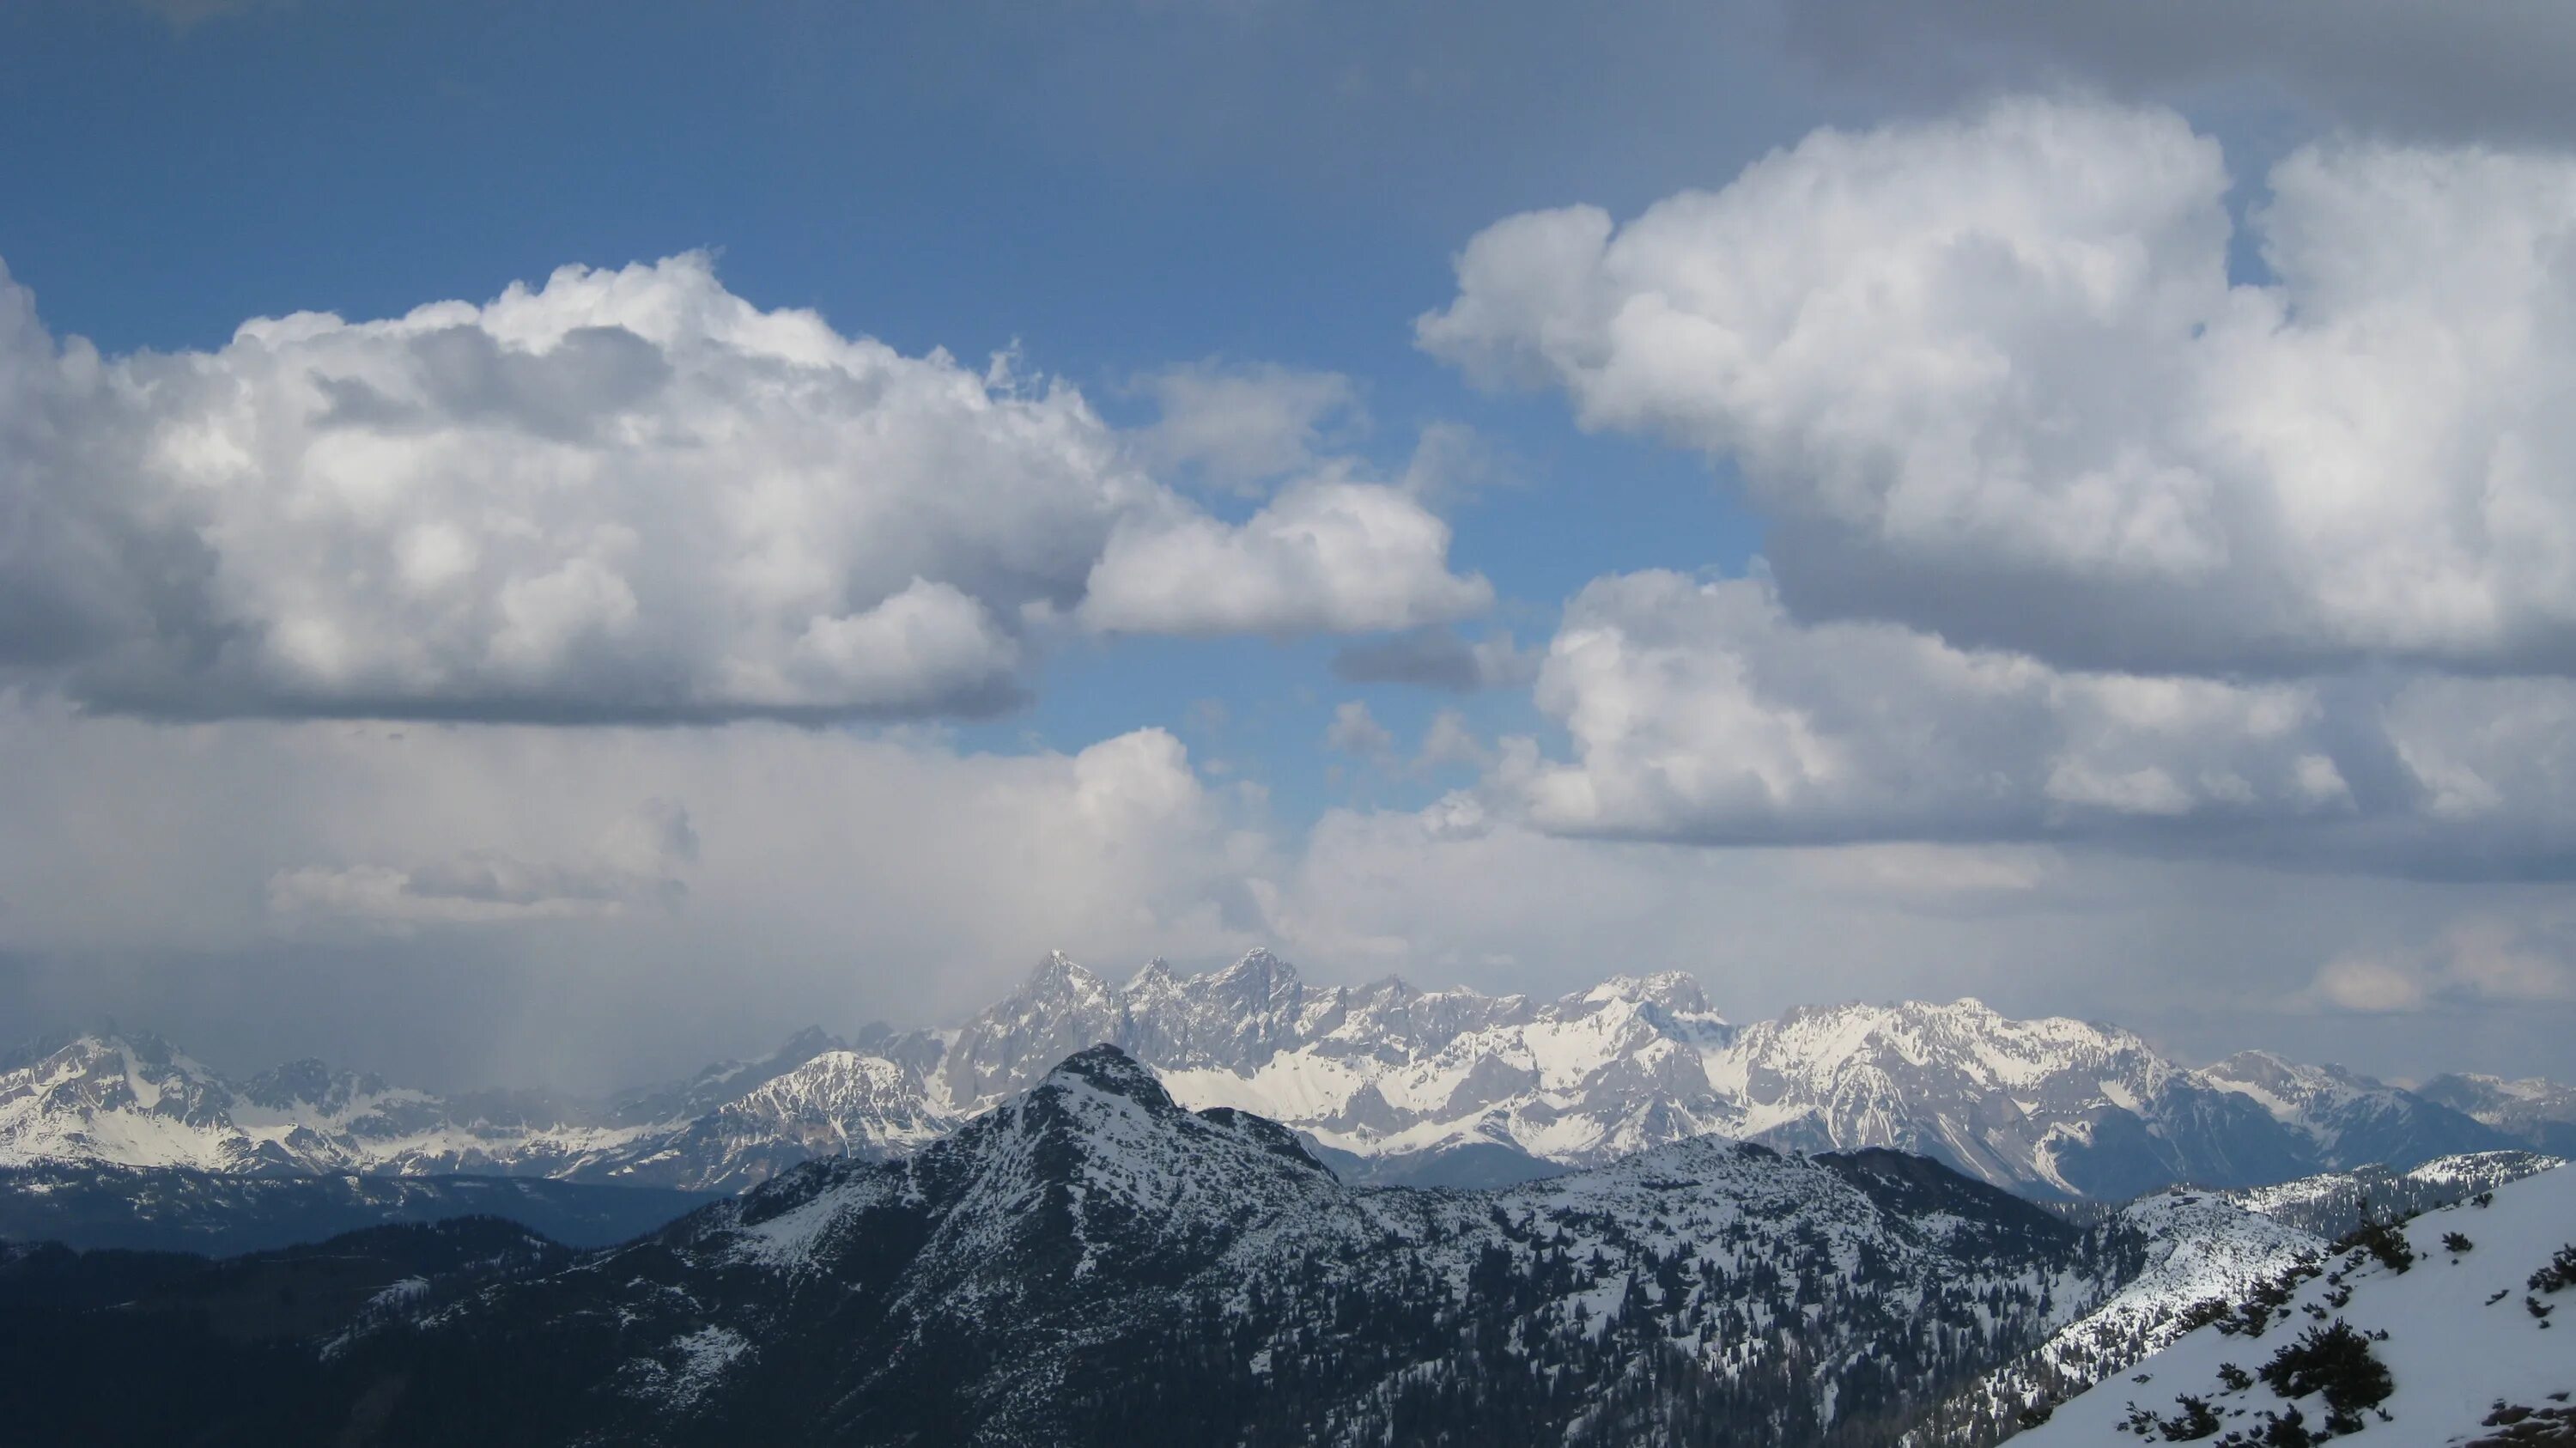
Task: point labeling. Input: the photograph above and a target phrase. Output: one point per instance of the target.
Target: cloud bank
(2073, 533)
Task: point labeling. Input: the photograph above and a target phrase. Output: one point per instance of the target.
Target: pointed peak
(1259, 962)
(1106, 1068)
(1058, 972)
(1155, 973)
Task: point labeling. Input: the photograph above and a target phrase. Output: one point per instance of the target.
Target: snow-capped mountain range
(1385, 1081)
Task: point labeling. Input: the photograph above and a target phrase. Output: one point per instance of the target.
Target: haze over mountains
(1387, 1082)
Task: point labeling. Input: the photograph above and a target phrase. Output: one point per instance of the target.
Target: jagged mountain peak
(1059, 974)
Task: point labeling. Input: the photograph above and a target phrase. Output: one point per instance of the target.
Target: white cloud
(1995, 379)
(2478, 961)
(622, 495)
(2357, 983)
(1324, 555)
(1702, 711)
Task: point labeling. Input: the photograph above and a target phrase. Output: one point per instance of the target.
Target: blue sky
(918, 174)
(1970, 510)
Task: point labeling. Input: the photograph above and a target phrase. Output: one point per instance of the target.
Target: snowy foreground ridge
(2470, 1343)
(1402, 1084)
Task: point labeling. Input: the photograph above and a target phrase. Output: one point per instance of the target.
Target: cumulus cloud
(1994, 378)
(1703, 711)
(1325, 554)
(1438, 658)
(622, 495)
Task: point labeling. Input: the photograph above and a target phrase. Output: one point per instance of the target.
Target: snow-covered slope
(2466, 1337)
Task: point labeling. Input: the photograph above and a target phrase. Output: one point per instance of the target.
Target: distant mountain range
(1387, 1083)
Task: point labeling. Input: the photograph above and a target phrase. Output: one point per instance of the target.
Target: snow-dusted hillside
(1090, 1262)
(1383, 1072)
(2468, 1336)
(2331, 1204)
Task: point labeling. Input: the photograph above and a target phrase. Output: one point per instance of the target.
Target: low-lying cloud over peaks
(624, 495)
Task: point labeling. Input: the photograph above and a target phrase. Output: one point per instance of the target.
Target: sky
(549, 545)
